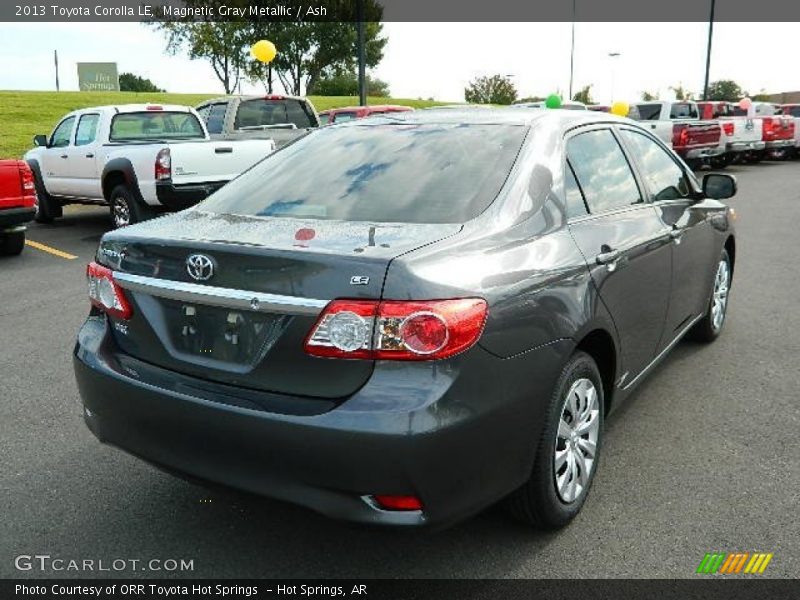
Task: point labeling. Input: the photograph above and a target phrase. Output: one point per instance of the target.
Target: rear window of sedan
(382, 173)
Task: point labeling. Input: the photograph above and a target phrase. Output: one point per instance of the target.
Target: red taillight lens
(274, 97)
(680, 136)
(727, 127)
(396, 329)
(105, 294)
(163, 165)
(769, 129)
(154, 107)
(27, 184)
(398, 502)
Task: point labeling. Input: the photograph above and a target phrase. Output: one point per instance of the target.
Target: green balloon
(553, 101)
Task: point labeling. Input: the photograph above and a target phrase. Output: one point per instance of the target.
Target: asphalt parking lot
(703, 458)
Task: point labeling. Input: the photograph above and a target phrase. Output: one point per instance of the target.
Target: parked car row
(144, 159)
(721, 133)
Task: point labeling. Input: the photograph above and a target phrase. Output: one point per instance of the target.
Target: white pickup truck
(741, 135)
(678, 124)
(138, 158)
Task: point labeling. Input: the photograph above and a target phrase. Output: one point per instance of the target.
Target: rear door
(670, 191)
(624, 242)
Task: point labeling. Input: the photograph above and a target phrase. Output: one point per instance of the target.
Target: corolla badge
(200, 267)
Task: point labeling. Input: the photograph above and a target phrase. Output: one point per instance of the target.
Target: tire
(710, 326)
(755, 157)
(126, 208)
(12, 243)
(720, 162)
(47, 207)
(541, 501)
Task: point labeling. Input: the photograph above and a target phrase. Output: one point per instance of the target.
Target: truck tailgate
(201, 162)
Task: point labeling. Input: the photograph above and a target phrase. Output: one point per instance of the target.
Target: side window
(216, 118)
(576, 206)
(61, 135)
(602, 171)
(664, 177)
(203, 112)
(297, 112)
(87, 129)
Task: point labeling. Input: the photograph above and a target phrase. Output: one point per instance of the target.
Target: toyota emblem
(200, 267)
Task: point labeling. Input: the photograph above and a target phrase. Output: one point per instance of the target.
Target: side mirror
(718, 186)
(40, 140)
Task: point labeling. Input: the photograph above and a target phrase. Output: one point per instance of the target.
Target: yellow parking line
(49, 250)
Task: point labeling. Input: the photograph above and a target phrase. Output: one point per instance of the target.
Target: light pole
(612, 56)
(362, 58)
(572, 52)
(708, 52)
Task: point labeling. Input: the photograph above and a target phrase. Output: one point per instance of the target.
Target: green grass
(25, 114)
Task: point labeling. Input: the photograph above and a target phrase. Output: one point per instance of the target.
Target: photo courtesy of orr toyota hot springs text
(393, 299)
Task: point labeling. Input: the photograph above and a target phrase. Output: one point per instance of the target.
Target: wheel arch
(119, 171)
(730, 247)
(600, 345)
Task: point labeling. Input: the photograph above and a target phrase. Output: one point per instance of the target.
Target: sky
(437, 60)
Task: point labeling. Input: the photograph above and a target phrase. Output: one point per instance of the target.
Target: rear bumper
(746, 146)
(704, 152)
(178, 197)
(777, 144)
(12, 218)
(459, 434)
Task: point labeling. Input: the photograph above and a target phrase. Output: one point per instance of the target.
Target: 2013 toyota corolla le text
(405, 319)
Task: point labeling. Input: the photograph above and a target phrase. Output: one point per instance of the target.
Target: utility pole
(55, 59)
(572, 51)
(362, 58)
(708, 53)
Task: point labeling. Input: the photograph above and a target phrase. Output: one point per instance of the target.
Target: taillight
(274, 97)
(680, 136)
(727, 127)
(28, 185)
(154, 107)
(105, 294)
(397, 329)
(163, 165)
(768, 131)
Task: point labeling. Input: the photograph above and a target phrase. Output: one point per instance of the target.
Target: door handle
(90, 155)
(608, 257)
(223, 150)
(64, 156)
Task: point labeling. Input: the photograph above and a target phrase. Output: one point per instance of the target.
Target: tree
(309, 51)
(346, 84)
(647, 96)
(128, 82)
(222, 44)
(528, 99)
(490, 90)
(681, 93)
(584, 95)
(725, 89)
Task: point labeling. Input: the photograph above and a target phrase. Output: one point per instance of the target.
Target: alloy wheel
(720, 299)
(576, 440)
(121, 212)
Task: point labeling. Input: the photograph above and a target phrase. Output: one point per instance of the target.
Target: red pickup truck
(17, 204)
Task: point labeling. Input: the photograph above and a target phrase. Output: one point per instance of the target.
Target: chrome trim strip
(661, 354)
(218, 296)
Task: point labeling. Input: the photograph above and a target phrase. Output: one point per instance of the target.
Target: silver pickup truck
(272, 116)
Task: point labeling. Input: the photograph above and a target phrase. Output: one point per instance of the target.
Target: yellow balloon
(263, 50)
(620, 109)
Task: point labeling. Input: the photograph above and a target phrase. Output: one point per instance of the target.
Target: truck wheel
(126, 209)
(47, 207)
(720, 162)
(12, 243)
(756, 156)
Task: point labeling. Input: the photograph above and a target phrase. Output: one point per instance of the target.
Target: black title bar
(400, 10)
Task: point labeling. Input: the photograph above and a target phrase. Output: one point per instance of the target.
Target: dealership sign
(98, 77)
